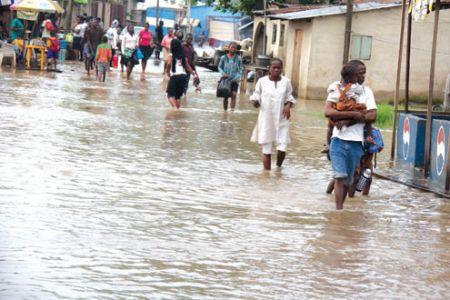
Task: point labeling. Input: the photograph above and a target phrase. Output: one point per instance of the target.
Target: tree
(243, 6)
(249, 6)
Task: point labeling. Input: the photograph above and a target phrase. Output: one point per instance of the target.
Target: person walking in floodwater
(230, 66)
(273, 95)
(129, 47)
(346, 147)
(166, 44)
(189, 53)
(103, 58)
(93, 37)
(145, 40)
(78, 35)
(177, 68)
(159, 31)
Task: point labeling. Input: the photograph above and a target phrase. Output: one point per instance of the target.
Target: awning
(246, 25)
(35, 6)
(194, 22)
(6, 2)
(58, 7)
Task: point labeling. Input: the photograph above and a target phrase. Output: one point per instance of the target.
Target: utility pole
(157, 13)
(69, 9)
(348, 30)
(265, 28)
(188, 16)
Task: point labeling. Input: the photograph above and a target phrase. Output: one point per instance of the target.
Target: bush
(385, 116)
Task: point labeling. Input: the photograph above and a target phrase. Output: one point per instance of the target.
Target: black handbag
(224, 88)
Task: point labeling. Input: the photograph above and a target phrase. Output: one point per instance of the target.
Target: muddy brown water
(106, 193)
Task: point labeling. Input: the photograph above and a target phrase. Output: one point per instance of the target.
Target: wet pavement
(107, 193)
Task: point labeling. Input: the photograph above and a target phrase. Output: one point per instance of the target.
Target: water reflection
(109, 193)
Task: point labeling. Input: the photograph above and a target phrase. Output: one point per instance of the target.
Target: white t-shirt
(354, 132)
(45, 32)
(112, 36)
(129, 42)
(79, 30)
(179, 69)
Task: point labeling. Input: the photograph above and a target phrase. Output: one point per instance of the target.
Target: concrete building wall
(384, 27)
(289, 57)
(323, 43)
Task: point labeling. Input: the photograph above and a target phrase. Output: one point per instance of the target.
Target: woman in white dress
(273, 94)
(129, 47)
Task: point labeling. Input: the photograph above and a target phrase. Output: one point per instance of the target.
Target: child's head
(276, 67)
(349, 73)
(53, 33)
(104, 39)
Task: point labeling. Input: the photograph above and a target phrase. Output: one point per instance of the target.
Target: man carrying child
(349, 120)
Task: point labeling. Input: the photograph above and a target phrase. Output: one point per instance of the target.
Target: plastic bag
(139, 54)
(69, 37)
(224, 88)
(374, 142)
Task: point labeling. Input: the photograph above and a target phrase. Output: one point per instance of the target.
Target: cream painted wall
(286, 52)
(384, 27)
(273, 49)
(306, 27)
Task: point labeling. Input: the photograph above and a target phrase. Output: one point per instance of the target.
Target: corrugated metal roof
(333, 10)
(290, 9)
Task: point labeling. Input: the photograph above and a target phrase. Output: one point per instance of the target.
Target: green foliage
(243, 6)
(385, 116)
(249, 6)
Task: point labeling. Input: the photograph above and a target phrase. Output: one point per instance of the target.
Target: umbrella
(36, 5)
(58, 7)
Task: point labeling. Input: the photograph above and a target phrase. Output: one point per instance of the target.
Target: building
(217, 24)
(311, 42)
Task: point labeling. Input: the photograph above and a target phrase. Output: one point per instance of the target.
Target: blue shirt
(18, 32)
(231, 66)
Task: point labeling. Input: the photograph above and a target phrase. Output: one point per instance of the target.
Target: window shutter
(366, 47)
(361, 47)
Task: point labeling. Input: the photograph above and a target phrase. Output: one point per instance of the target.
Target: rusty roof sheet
(332, 10)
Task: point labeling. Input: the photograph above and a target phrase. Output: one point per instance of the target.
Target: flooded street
(107, 193)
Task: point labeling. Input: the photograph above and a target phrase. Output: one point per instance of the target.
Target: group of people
(350, 106)
(46, 34)
(351, 110)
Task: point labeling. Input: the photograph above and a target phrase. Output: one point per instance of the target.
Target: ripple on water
(106, 193)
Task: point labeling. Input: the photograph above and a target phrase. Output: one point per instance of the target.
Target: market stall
(29, 10)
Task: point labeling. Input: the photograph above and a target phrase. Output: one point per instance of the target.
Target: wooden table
(31, 49)
(260, 72)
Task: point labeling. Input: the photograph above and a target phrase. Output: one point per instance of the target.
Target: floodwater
(107, 193)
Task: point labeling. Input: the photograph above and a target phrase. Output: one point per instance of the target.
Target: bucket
(115, 61)
(262, 61)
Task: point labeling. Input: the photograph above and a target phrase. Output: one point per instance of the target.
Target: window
(282, 35)
(274, 34)
(361, 47)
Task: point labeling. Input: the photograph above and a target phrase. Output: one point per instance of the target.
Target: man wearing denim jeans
(346, 146)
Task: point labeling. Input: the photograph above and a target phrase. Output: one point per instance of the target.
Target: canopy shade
(35, 5)
(58, 7)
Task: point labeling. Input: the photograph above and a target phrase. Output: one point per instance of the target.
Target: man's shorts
(52, 54)
(345, 157)
(268, 147)
(102, 67)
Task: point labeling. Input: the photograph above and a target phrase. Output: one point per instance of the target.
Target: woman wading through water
(230, 67)
(177, 67)
(273, 95)
(129, 47)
